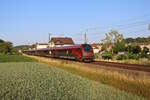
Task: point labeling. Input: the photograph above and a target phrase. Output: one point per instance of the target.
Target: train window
(70, 51)
(79, 49)
(67, 52)
(87, 47)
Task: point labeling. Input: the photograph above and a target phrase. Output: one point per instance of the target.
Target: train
(79, 52)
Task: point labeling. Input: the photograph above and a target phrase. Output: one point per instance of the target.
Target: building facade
(55, 42)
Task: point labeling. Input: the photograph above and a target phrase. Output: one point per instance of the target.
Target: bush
(149, 57)
(97, 55)
(122, 57)
(144, 53)
(107, 55)
(119, 47)
(133, 56)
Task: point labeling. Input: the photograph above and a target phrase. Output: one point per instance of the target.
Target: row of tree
(115, 43)
(6, 47)
(138, 40)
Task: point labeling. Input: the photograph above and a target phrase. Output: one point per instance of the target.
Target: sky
(30, 21)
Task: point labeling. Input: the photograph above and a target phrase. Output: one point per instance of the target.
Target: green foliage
(23, 47)
(129, 49)
(5, 47)
(38, 81)
(111, 38)
(135, 49)
(107, 55)
(97, 55)
(15, 58)
(138, 40)
(14, 51)
(133, 56)
(148, 57)
(104, 48)
(122, 57)
(144, 52)
(1, 41)
(119, 47)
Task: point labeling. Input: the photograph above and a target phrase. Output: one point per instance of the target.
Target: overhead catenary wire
(130, 24)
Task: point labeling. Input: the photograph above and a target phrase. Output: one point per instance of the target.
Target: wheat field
(33, 80)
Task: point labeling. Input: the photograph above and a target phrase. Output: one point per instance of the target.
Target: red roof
(95, 46)
(62, 40)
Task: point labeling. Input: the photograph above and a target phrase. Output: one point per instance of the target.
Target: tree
(24, 47)
(1, 41)
(119, 47)
(116, 36)
(137, 40)
(129, 49)
(129, 40)
(144, 52)
(5, 47)
(148, 39)
(136, 49)
(104, 48)
(112, 38)
(133, 49)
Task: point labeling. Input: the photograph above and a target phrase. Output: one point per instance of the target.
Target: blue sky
(30, 21)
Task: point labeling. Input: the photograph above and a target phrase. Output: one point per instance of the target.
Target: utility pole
(49, 37)
(85, 37)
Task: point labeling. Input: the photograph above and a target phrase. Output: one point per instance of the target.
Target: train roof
(57, 48)
(66, 47)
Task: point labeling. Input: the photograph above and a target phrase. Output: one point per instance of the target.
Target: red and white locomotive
(81, 52)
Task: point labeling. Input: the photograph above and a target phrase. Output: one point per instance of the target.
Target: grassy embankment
(15, 58)
(139, 87)
(33, 80)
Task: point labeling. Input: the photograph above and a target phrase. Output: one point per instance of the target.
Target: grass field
(33, 80)
(15, 58)
(139, 86)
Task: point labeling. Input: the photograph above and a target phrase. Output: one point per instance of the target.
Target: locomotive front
(87, 53)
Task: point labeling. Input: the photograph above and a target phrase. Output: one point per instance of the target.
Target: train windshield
(87, 47)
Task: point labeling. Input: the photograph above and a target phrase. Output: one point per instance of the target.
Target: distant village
(113, 47)
(68, 41)
(63, 41)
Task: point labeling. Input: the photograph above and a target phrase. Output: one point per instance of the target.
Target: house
(145, 45)
(40, 45)
(96, 48)
(55, 42)
(61, 41)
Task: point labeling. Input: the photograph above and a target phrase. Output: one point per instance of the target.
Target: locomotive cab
(87, 54)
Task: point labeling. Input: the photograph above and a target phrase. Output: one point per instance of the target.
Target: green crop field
(33, 80)
(15, 58)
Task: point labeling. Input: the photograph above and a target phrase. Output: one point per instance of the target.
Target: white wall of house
(53, 45)
(142, 46)
(41, 46)
(96, 50)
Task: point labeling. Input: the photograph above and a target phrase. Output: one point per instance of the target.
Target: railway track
(109, 65)
(132, 67)
(145, 68)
